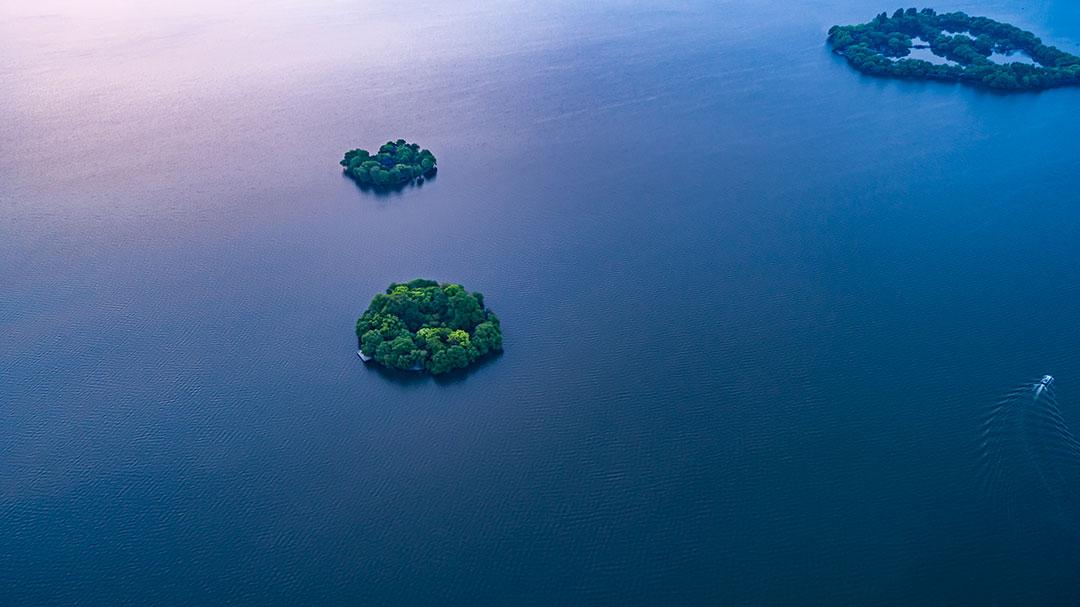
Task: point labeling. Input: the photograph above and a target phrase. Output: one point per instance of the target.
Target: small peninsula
(395, 164)
(424, 325)
(960, 48)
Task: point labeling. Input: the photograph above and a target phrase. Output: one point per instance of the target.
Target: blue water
(922, 52)
(755, 307)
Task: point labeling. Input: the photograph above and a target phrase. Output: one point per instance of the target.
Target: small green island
(397, 163)
(424, 325)
(956, 48)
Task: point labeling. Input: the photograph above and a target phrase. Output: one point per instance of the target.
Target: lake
(756, 307)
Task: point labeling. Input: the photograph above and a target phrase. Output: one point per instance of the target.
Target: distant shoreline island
(956, 48)
(422, 325)
(396, 164)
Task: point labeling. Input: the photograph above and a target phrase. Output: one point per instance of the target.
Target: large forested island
(965, 45)
(422, 324)
(395, 164)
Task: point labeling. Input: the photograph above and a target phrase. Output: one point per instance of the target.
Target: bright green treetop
(424, 324)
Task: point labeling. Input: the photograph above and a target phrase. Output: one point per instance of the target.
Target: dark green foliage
(879, 48)
(395, 164)
(424, 324)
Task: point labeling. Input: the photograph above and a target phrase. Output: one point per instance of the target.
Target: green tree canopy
(422, 324)
(881, 48)
(395, 164)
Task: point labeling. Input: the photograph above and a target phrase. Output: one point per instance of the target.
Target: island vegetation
(422, 324)
(881, 48)
(395, 164)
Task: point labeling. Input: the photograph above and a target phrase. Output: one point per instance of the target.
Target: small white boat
(417, 366)
(1043, 384)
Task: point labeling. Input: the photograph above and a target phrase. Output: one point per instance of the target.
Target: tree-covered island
(881, 48)
(395, 164)
(422, 324)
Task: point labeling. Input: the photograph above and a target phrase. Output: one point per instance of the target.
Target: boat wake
(1029, 459)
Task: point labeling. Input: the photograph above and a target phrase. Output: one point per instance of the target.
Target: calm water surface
(755, 305)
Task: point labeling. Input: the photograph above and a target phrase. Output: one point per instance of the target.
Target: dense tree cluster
(879, 48)
(396, 163)
(422, 324)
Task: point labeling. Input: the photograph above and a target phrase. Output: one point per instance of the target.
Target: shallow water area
(1011, 57)
(921, 50)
